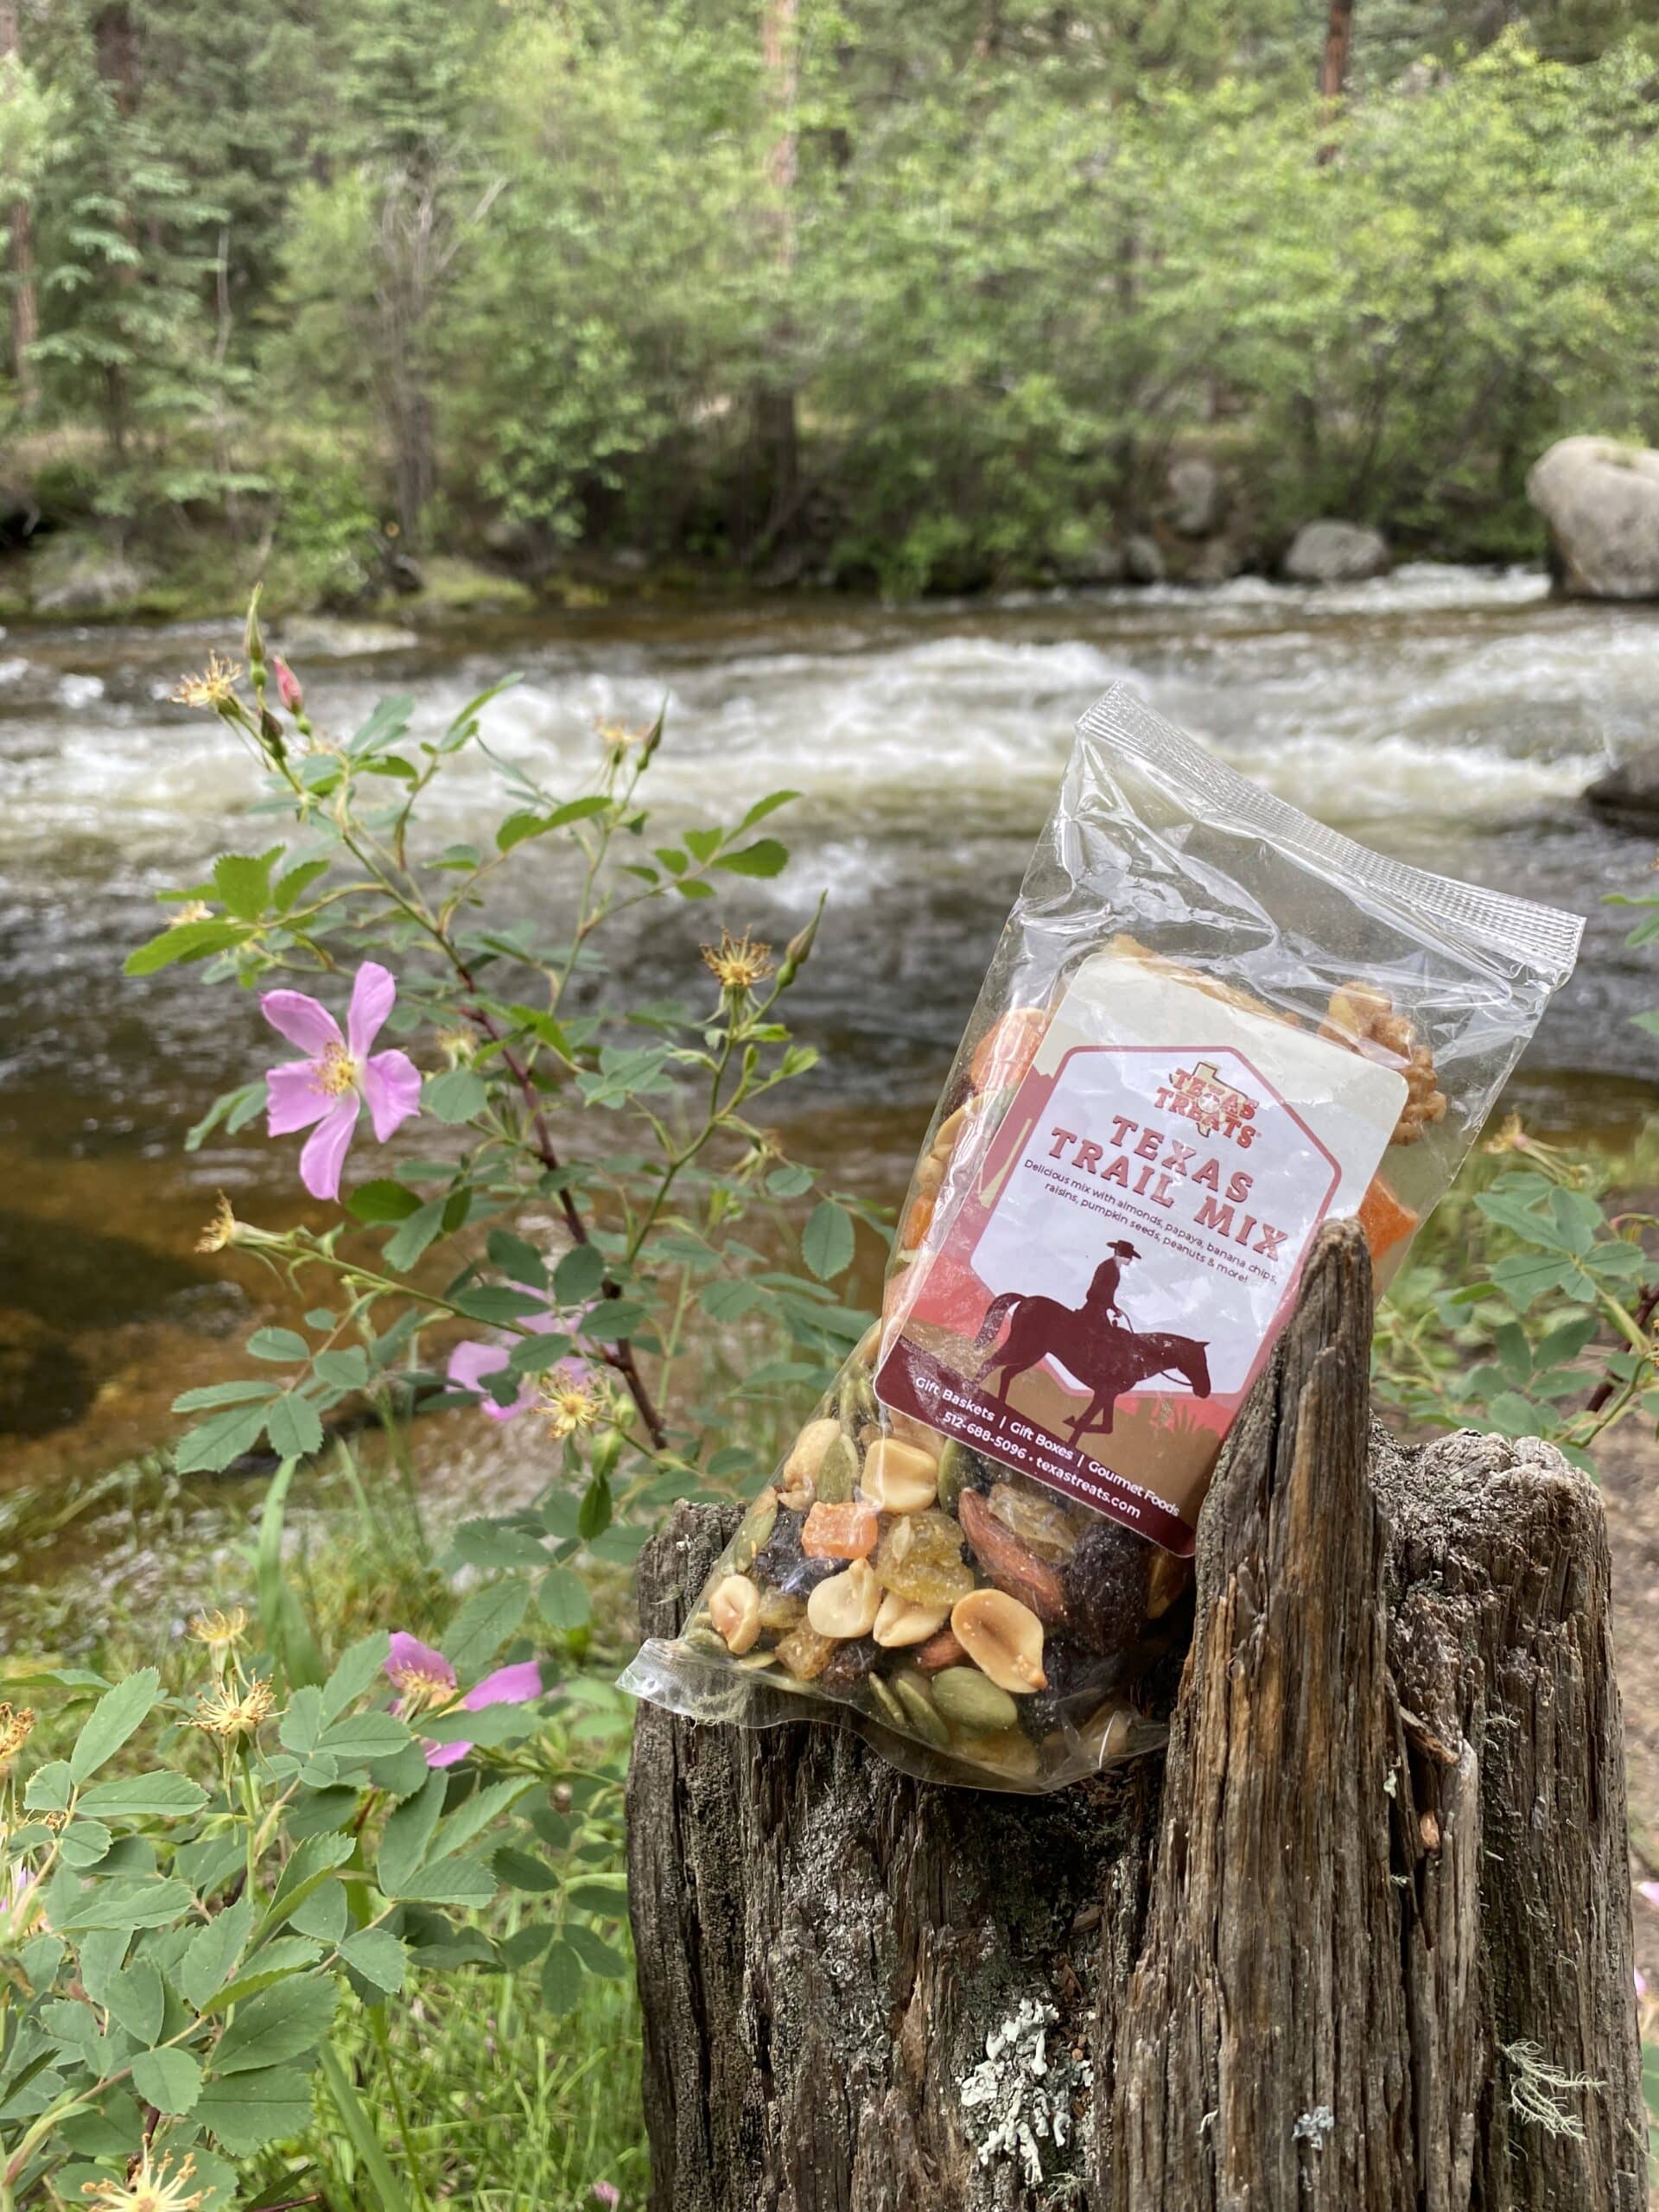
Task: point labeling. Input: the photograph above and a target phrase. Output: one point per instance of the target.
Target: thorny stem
(1647, 1307)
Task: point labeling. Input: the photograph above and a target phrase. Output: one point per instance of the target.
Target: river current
(1450, 716)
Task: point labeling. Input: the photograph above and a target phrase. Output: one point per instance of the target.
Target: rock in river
(1629, 793)
(1600, 502)
(1336, 553)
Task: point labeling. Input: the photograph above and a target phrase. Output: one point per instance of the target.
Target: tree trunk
(777, 428)
(1361, 1940)
(1333, 63)
(24, 313)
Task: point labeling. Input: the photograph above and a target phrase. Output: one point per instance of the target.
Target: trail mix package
(1210, 1025)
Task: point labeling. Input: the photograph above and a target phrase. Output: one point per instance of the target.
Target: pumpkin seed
(921, 1716)
(837, 1476)
(884, 1702)
(972, 1700)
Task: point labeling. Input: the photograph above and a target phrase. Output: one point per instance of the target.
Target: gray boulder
(1336, 553)
(1600, 503)
(1143, 564)
(1197, 499)
(1630, 792)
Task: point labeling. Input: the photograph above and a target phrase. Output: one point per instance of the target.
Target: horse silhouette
(1090, 1341)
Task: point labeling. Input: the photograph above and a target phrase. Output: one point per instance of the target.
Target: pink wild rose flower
(472, 1363)
(325, 1092)
(427, 1682)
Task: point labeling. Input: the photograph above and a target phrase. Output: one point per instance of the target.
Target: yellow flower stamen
(336, 1071)
(220, 1232)
(229, 1710)
(192, 910)
(17, 1727)
(568, 1405)
(147, 2188)
(220, 1631)
(738, 963)
(421, 1692)
(214, 687)
(617, 736)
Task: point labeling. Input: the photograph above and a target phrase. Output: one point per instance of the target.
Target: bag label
(1112, 1257)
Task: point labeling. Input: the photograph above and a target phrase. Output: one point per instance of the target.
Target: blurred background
(876, 382)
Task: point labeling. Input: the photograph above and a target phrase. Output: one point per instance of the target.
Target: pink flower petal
(506, 1686)
(302, 1021)
(1649, 1891)
(294, 1099)
(409, 1657)
(1641, 1983)
(391, 1083)
(446, 1754)
(326, 1146)
(471, 1364)
(373, 997)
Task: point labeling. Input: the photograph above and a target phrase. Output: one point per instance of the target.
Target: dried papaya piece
(1008, 1048)
(840, 1531)
(1386, 1219)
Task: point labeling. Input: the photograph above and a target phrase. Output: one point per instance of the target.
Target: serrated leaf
(409, 1833)
(377, 1955)
(184, 941)
(288, 2022)
(450, 1881)
(563, 1599)
(485, 1620)
(457, 1096)
(113, 1720)
(561, 1978)
(517, 1869)
(224, 1393)
(597, 1956)
(137, 1999)
(124, 1902)
(161, 1793)
(294, 1427)
(170, 2080)
(579, 1276)
(382, 1199)
(292, 886)
(242, 883)
(286, 1345)
(211, 1960)
(214, 1444)
(496, 1306)
(357, 1736)
(406, 1244)
(519, 1262)
(247, 2111)
(765, 856)
(827, 1241)
(357, 1670)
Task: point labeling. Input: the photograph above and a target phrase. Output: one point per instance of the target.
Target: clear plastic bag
(1210, 1025)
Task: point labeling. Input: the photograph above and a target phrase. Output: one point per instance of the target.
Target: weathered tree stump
(1361, 1940)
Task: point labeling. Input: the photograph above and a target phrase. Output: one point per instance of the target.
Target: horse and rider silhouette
(1094, 1341)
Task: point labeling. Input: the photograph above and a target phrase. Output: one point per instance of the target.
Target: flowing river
(1451, 717)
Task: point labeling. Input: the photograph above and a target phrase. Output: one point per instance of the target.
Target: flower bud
(254, 643)
(288, 684)
(795, 951)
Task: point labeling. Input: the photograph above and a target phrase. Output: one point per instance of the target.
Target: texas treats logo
(1214, 1108)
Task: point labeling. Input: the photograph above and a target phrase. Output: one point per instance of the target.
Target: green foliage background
(923, 298)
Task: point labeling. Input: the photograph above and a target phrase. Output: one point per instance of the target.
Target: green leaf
(450, 1881)
(84, 1843)
(209, 1962)
(561, 1978)
(383, 1200)
(242, 883)
(294, 1427)
(137, 1999)
(517, 1869)
(1513, 1416)
(170, 2080)
(579, 1276)
(184, 941)
(385, 725)
(693, 887)
(342, 1370)
(50, 1788)
(121, 1902)
(164, 1794)
(224, 1393)
(286, 2022)
(564, 1599)
(827, 1240)
(377, 1955)
(405, 1245)
(358, 1669)
(519, 827)
(292, 887)
(496, 1305)
(284, 1345)
(597, 1956)
(594, 1512)
(763, 807)
(488, 1617)
(250, 2110)
(483, 1806)
(765, 857)
(457, 1096)
(519, 1262)
(591, 1896)
(113, 1720)
(357, 1736)
(312, 1865)
(409, 1831)
(214, 1444)
(233, 1108)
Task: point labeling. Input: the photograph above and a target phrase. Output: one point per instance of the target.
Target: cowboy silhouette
(1093, 1341)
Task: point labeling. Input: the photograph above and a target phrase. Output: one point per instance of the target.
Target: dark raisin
(781, 1562)
(851, 1663)
(1105, 1581)
(1077, 1680)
